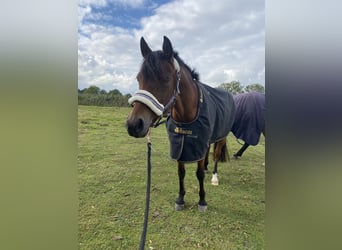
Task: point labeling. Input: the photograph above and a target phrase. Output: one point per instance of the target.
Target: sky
(224, 40)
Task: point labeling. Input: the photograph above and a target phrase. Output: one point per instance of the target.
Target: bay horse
(197, 115)
(249, 120)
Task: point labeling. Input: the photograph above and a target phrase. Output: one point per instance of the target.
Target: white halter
(149, 100)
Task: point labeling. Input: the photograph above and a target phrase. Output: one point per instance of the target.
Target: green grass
(112, 184)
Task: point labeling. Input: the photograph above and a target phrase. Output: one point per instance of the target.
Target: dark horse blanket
(249, 117)
(189, 142)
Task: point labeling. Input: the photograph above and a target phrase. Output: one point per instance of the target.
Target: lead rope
(148, 187)
(148, 99)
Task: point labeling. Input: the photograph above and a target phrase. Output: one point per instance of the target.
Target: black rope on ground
(148, 187)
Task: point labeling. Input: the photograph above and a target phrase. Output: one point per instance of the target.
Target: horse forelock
(151, 68)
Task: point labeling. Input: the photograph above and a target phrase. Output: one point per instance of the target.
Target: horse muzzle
(137, 127)
(140, 120)
(146, 110)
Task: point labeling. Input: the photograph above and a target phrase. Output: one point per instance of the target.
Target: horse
(249, 120)
(197, 114)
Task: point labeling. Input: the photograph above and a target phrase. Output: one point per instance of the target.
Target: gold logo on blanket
(182, 131)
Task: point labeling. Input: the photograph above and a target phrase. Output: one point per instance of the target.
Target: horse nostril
(134, 128)
(139, 125)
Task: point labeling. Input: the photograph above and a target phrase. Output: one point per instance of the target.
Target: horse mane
(151, 65)
(193, 72)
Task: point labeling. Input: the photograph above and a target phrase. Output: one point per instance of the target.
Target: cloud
(223, 41)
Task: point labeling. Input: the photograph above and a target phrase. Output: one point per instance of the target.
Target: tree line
(94, 96)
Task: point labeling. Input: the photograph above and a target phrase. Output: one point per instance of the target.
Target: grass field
(112, 184)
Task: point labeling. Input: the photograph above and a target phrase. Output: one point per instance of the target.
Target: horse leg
(214, 178)
(240, 152)
(179, 205)
(202, 204)
(220, 154)
(206, 161)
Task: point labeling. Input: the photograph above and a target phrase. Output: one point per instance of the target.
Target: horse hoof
(202, 208)
(214, 180)
(179, 207)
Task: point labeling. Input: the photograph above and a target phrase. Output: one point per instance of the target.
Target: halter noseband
(152, 102)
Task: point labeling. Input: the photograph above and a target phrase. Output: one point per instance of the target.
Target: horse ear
(167, 48)
(145, 50)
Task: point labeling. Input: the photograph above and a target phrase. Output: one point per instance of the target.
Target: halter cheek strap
(152, 102)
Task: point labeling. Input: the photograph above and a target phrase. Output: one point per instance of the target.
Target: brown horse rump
(189, 142)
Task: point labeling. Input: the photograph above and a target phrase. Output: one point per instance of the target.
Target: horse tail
(222, 156)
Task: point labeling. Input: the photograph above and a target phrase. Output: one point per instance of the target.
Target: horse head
(158, 80)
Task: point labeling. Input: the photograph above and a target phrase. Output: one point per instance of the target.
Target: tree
(233, 87)
(103, 92)
(115, 92)
(92, 90)
(255, 87)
